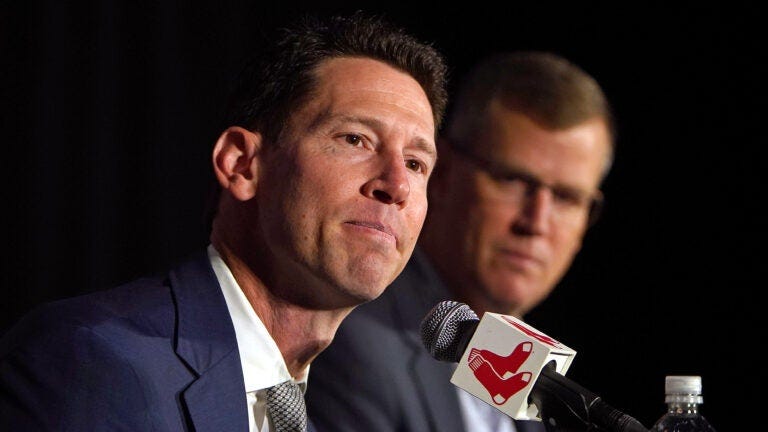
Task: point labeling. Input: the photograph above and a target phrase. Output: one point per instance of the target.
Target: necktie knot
(285, 403)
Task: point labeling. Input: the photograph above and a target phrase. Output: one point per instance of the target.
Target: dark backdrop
(110, 110)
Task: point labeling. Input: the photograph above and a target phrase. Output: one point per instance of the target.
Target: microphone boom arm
(559, 400)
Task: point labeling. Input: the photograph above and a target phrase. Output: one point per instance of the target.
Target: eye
(354, 139)
(569, 197)
(513, 180)
(415, 166)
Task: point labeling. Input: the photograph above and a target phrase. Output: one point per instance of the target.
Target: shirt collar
(262, 363)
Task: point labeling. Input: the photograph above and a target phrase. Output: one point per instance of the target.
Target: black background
(110, 110)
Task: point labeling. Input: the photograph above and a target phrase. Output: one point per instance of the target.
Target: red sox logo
(499, 374)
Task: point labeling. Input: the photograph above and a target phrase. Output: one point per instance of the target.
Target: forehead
(368, 84)
(574, 156)
(363, 73)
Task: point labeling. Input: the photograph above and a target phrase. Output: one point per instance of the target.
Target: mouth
(374, 228)
(519, 259)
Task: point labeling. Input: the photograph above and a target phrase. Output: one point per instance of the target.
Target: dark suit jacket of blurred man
(406, 389)
(167, 345)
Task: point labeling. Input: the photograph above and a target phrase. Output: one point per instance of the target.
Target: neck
(300, 332)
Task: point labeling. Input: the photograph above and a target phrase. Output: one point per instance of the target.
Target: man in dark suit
(527, 145)
(322, 193)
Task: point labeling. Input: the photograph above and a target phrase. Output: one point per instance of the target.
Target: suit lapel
(205, 341)
(437, 393)
(418, 290)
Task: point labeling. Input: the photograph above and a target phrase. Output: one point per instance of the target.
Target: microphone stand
(565, 406)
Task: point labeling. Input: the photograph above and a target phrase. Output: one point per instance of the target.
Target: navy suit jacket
(376, 376)
(157, 354)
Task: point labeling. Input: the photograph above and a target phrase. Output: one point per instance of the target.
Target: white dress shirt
(261, 360)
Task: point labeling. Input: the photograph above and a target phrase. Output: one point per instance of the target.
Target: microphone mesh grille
(443, 327)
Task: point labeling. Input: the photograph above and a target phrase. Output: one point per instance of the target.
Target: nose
(535, 212)
(390, 185)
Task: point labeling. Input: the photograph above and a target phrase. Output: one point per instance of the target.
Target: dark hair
(281, 76)
(548, 88)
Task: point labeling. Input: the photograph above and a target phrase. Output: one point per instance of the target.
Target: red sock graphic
(505, 366)
(499, 389)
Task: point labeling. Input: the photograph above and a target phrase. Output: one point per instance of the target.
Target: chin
(509, 299)
(355, 296)
(372, 275)
(364, 287)
(372, 289)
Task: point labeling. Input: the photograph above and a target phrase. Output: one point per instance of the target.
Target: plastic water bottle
(683, 397)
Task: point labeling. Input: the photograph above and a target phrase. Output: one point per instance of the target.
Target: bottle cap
(683, 388)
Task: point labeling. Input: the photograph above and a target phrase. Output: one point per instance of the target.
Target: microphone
(452, 332)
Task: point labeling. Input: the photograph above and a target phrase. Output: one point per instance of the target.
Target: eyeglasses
(513, 186)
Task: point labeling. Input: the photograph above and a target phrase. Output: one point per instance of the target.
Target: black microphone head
(447, 328)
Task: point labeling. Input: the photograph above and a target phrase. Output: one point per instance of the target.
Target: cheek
(295, 204)
(419, 207)
(493, 221)
(306, 206)
(412, 219)
(566, 245)
(315, 184)
(481, 228)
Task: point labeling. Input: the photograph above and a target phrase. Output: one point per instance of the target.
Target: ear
(235, 158)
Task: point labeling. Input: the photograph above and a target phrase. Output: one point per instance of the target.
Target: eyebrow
(505, 171)
(373, 123)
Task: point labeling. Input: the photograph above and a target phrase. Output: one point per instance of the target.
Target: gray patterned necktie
(285, 403)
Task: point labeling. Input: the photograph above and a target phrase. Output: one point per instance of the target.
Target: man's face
(514, 241)
(343, 195)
